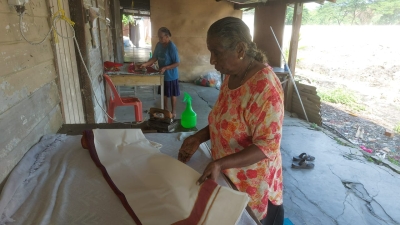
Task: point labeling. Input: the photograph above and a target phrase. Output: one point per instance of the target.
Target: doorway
(137, 38)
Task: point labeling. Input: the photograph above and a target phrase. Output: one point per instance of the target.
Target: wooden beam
(243, 6)
(136, 14)
(116, 22)
(294, 44)
(254, 5)
(78, 15)
(267, 16)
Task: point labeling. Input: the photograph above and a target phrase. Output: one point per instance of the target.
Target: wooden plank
(308, 91)
(78, 16)
(294, 43)
(5, 8)
(49, 124)
(313, 118)
(14, 88)
(37, 8)
(16, 57)
(307, 106)
(306, 88)
(311, 97)
(116, 22)
(104, 45)
(305, 102)
(132, 80)
(67, 68)
(34, 28)
(302, 86)
(21, 119)
(309, 110)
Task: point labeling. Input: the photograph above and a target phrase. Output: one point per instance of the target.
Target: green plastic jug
(188, 117)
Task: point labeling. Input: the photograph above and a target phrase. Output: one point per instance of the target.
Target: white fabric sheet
(56, 182)
(159, 188)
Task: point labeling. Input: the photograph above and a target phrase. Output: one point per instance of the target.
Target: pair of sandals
(303, 161)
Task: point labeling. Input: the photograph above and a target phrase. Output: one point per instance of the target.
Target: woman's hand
(212, 172)
(162, 70)
(188, 148)
(141, 66)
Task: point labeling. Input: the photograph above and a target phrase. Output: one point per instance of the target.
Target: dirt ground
(364, 60)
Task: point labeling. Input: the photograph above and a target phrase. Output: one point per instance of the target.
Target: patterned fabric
(251, 114)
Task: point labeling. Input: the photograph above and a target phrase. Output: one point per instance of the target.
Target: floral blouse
(251, 114)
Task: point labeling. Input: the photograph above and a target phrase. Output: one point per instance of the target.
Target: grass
(315, 126)
(341, 96)
(340, 142)
(393, 160)
(397, 128)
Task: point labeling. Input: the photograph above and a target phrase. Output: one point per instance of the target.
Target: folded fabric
(156, 188)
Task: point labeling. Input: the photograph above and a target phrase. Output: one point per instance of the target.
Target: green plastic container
(188, 117)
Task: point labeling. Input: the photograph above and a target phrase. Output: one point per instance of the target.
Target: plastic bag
(210, 79)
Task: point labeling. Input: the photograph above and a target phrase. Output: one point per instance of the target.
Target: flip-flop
(303, 156)
(303, 164)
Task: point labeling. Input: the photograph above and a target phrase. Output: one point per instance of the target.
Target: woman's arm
(192, 143)
(163, 69)
(203, 135)
(148, 63)
(246, 157)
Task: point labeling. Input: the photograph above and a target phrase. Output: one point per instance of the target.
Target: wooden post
(78, 15)
(294, 44)
(271, 14)
(116, 22)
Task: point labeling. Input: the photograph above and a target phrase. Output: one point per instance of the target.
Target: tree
(126, 19)
(387, 11)
(289, 16)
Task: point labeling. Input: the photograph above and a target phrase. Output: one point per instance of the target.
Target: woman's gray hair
(165, 31)
(231, 31)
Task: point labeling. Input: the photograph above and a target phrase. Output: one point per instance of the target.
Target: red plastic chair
(116, 100)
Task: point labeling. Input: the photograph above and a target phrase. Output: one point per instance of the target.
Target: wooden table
(77, 129)
(126, 79)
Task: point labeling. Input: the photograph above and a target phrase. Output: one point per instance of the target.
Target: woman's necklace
(247, 70)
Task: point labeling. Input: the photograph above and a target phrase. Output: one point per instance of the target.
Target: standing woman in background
(167, 56)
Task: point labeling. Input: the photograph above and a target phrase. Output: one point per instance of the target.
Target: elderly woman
(245, 124)
(167, 56)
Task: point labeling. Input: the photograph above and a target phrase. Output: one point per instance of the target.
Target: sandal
(304, 156)
(303, 164)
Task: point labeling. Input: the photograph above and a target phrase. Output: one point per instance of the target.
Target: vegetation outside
(351, 12)
(341, 96)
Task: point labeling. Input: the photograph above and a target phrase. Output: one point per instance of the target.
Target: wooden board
(69, 83)
(34, 28)
(23, 124)
(78, 15)
(22, 84)
(49, 124)
(294, 43)
(116, 23)
(311, 102)
(306, 88)
(308, 98)
(133, 80)
(267, 16)
(19, 56)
